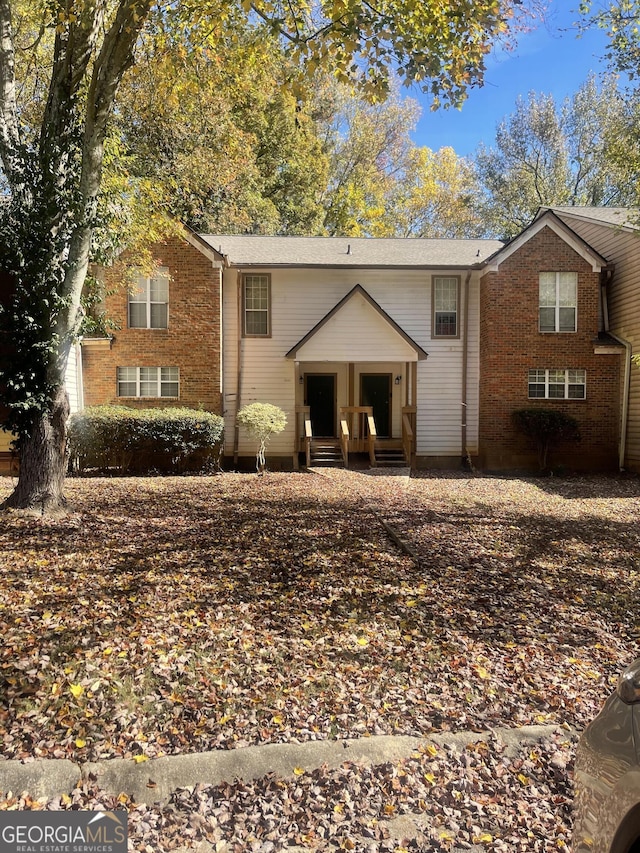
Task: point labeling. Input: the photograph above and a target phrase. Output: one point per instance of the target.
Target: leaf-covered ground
(186, 614)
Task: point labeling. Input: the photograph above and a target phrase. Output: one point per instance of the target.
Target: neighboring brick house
(542, 344)
(166, 349)
(441, 340)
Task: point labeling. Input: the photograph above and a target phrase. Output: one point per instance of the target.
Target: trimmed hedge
(136, 441)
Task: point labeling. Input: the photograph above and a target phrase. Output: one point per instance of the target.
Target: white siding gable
(356, 332)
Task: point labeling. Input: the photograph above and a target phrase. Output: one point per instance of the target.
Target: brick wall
(191, 342)
(511, 345)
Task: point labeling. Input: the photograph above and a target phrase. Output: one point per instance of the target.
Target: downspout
(221, 347)
(622, 449)
(465, 360)
(236, 428)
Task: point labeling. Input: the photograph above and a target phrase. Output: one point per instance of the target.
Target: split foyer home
(414, 351)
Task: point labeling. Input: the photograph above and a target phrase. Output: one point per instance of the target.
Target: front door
(320, 396)
(375, 391)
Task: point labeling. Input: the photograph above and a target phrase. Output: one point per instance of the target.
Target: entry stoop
(325, 452)
(390, 455)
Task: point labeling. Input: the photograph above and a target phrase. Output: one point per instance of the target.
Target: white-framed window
(148, 382)
(558, 301)
(446, 298)
(256, 305)
(149, 301)
(548, 384)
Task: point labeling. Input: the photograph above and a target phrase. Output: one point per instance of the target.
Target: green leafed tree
(224, 141)
(369, 148)
(262, 420)
(437, 195)
(550, 154)
(62, 63)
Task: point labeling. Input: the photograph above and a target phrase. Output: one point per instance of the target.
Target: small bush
(546, 427)
(142, 440)
(261, 420)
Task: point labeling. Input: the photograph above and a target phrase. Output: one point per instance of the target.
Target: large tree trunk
(43, 461)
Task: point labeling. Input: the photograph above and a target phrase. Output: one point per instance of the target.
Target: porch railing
(409, 433)
(372, 435)
(303, 429)
(344, 440)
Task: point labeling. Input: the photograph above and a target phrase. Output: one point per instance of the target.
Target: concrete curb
(154, 781)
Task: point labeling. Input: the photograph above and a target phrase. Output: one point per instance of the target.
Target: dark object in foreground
(607, 774)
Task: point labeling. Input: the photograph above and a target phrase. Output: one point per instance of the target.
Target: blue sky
(549, 59)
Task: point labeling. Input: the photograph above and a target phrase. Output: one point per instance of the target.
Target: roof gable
(209, 251)
(548, 219)
(357, 329)
(624, 218)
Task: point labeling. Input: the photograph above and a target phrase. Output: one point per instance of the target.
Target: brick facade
(191, 342)
(511, 345)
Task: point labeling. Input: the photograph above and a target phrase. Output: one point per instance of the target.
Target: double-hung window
(256, 305)
(148, 381)
(149, 301)
(546, 384)
(446, 299)
(558, 301)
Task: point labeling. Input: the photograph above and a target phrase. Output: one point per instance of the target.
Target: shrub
(546, 427)
(141, 440)
(262, 420)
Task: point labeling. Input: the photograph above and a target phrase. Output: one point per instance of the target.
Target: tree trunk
(43, 461)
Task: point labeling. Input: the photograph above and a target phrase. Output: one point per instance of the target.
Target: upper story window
(149, 302)
(148, 381)
(558, 301)
(557, 384)
(256, 305)
(446, 299)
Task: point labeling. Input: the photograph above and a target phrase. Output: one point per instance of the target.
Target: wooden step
(326, 453)
(390, 457)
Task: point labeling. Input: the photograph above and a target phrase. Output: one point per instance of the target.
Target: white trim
(143, 287)
(548, 382)
(563, 231)
(159, 383)
(208, 251)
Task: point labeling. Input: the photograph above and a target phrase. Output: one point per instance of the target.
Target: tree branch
(9, 128)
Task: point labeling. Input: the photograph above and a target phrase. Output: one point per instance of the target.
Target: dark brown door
(375, 391)
(320, 396)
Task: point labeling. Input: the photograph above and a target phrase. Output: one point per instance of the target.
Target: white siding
(73, 379)
(302, 298)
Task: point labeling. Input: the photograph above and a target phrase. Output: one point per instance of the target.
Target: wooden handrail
(304, 431)
(407, 438)
(308, 435)
(371, 428)
(344, 441)
(409, 432)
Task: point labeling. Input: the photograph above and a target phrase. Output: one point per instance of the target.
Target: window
(149, 303)
(446, 294)
(558, 384)
(148, 381)
(256, 305)
(558, 300)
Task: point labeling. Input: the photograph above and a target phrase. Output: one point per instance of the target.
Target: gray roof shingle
(626, 217)
(258, 250)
